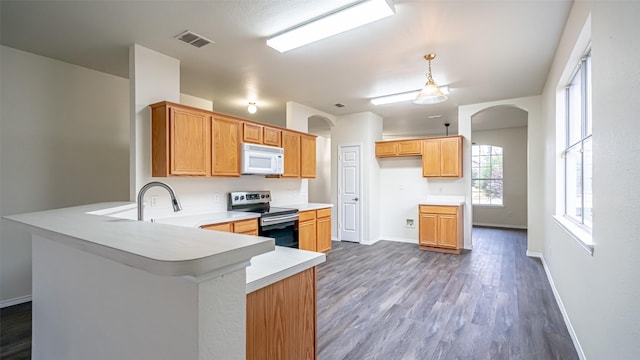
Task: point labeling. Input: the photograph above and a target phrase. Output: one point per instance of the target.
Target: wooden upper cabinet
(252, 133)
(451, 156)
(180, 141)
(291, 145)
(226, 146)
(272, 136)
(307, 156)
(431, 158)
(386, 149)
(442, 157)
(399, 148)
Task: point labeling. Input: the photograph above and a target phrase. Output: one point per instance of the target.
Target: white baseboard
(534, 254)
(15, 301)
(563, 310)
(504, 226)
(399, 239)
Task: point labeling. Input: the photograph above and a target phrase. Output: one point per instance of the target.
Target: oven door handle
(272, 220)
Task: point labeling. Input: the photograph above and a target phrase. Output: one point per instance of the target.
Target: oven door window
(284, 234)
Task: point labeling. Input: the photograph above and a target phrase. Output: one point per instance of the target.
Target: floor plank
(393, 301)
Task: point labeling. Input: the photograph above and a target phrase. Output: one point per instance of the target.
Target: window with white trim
(486, 175)
(578, 151)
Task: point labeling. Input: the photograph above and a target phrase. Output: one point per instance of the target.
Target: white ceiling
(486, 51)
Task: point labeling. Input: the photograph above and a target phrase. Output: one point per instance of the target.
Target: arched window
(486, 175)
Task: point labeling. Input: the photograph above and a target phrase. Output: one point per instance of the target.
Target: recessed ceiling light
(335, 22)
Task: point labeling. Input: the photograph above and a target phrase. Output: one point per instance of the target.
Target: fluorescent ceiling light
(395, 98)
(341, 20)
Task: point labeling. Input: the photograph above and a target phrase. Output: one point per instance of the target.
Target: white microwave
(262, 160)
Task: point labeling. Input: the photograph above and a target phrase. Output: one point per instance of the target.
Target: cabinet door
(252, 133)
(323, 240)
(451, 150)
(291, 145)
(410, 148)
(431, 159)
(448, 231)
(386, 149)
(428, 229)
(281, 319)
(307, 156)
(190, 142)
(272, 137)
(307, 235)
(226, 147)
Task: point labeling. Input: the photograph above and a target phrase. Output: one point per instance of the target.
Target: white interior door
(349, 193)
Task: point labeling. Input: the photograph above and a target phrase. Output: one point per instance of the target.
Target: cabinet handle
(355, 199)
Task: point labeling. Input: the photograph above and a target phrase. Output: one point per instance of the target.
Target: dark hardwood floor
(15, 332)
(393, 301)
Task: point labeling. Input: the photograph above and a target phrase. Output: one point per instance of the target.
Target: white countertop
(158, 248)
(175, 245)
(279, 264)
(196, 221)
(307, 207)
(443, 200)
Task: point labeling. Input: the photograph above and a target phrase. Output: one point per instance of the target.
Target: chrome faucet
(174, 201)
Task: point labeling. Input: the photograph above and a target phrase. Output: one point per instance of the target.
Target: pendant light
(430, 93)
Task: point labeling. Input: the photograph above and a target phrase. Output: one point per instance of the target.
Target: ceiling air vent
(194, 39)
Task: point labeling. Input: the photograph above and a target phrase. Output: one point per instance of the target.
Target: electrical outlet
(410, 223)
(216, 198)
(154, 200)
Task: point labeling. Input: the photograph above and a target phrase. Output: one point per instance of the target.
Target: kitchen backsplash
(210, 194)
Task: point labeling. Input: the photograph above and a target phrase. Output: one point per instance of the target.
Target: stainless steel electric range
(274, 222)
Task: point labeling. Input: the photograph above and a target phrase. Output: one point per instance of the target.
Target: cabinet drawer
(245, 226)
(436, 209)
(324, 213)
(218, 227)
(306, 216)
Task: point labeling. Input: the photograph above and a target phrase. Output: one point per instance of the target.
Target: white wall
(65, 141)
(362, 129)
(600, 293)
(320, 187)
(513, 213)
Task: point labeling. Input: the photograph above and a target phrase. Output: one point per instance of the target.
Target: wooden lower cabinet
(307, 230)
(323, 230)
(314, 230)
(440, 228)
(247, 227)
(281, 319)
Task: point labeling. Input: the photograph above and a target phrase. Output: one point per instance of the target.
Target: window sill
(581, 236)
(489, 205)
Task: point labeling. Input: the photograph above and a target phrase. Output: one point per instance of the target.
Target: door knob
(355, 199)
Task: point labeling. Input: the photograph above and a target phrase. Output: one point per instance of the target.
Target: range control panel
(249, 197)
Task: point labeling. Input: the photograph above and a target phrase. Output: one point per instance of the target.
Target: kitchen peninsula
(109, 287)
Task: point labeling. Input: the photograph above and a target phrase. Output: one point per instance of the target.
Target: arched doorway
(499, 167)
